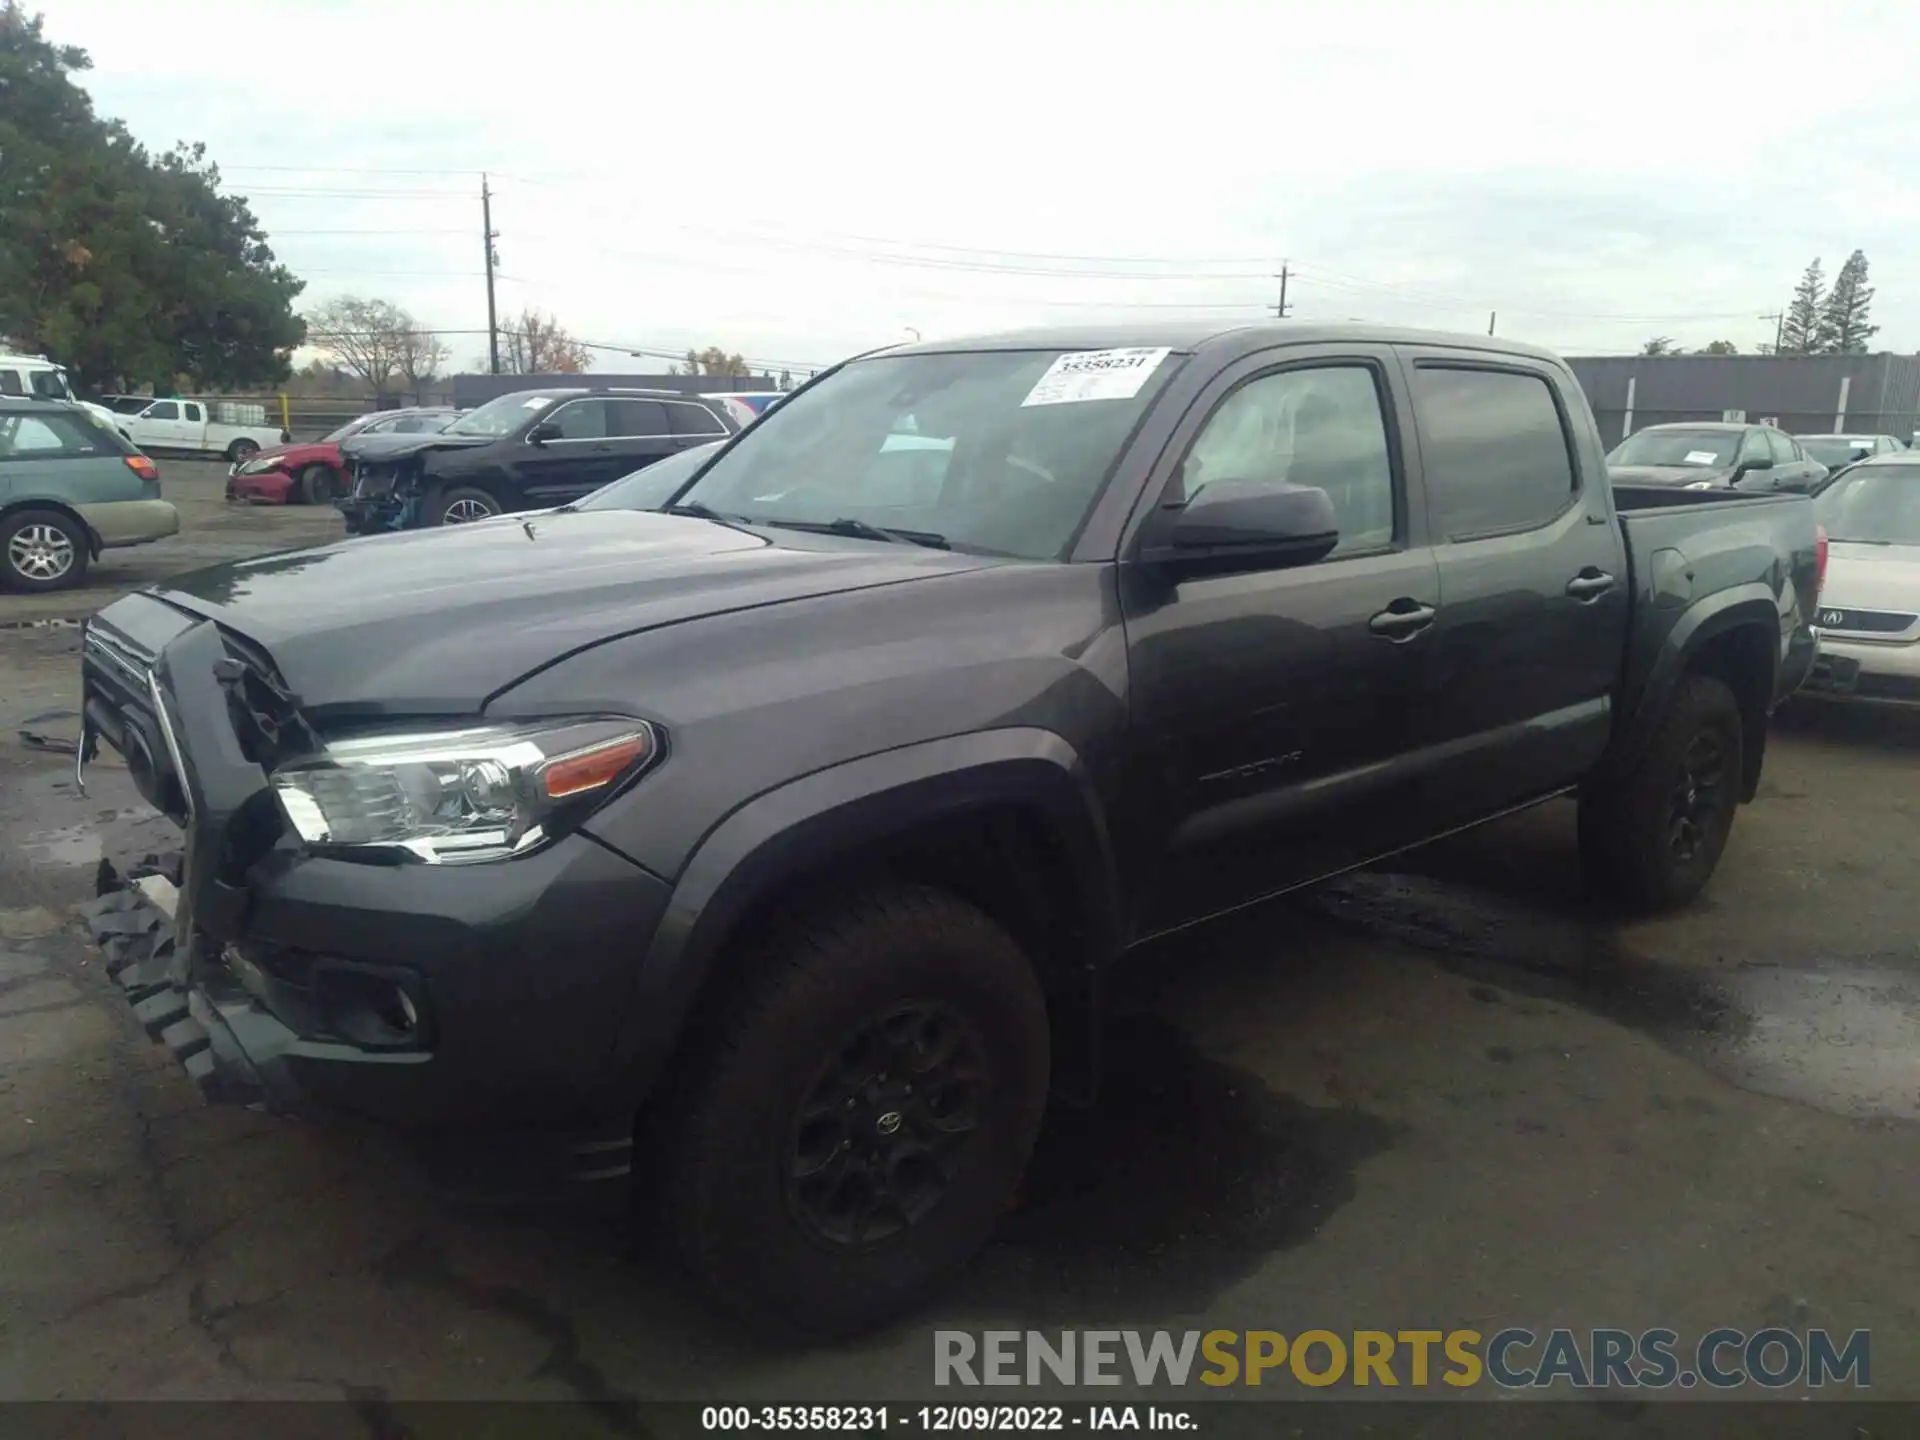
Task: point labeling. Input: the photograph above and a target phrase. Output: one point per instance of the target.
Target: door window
(1783, 451)
(581, 420)
(1319, 427)
(1494, 449)
(1754, 447)
(163, 410)
(693, 420)
(637, 419)
(48, 437)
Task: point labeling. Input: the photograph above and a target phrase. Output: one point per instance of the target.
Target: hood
(1669, 475)
(435, 621)
(1872, 577)
(398, 447)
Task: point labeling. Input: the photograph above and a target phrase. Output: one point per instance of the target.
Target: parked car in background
(746, 406)
(1869, 614)
(528, 450)
(1711, 455)
(771, 850)
(1837, 452)
(70, 487)
(313, 472)
(175, 426)
(22, 375)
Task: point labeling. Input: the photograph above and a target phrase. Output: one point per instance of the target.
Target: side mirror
(1747, 467)
(546, 430)
(1236, 526)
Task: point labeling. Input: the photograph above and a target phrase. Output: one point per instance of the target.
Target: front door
(1533, 584)
(1270, 708)
(578, 462)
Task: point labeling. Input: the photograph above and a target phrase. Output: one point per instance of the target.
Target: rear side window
(637, 419)
(52, 436)
(1494, 449)
(190, 411)
(693, 420)
(10, 383)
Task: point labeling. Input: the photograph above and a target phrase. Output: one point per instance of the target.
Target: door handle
(1589, 585)
(1402, 620)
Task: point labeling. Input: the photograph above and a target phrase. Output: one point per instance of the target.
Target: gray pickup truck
(770, 847)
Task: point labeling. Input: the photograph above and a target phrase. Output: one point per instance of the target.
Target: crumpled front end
(383, 496)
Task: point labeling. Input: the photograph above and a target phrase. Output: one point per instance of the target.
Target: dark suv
(529, 450)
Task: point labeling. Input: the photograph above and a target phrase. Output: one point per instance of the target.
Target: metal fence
(1617, 423)
(1803, 394)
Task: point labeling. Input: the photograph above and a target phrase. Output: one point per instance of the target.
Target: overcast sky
(800, 181)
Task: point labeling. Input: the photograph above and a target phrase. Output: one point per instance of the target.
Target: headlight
(461, 795)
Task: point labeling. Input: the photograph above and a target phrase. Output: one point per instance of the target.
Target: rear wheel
(859, 1117)
(1654, 839)
(43, 550)
(463, 504)
(317, 485)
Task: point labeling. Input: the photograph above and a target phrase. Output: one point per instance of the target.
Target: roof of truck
(1188, 336)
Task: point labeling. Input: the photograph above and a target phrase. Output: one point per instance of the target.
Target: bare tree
(537, 344)
(712, 361)
(421, 354)
(1659, 345)
(364, 337)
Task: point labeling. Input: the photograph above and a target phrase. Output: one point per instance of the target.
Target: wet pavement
(1449, 1092)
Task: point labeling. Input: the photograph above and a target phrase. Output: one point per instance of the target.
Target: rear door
(192, 430)
(1534, 589)
(1271, 707)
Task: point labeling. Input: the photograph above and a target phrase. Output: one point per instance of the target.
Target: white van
(37, 375)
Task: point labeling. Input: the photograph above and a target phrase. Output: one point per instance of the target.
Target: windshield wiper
(1851, 540)
(863, 530)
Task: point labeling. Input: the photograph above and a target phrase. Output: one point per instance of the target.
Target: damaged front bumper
(380, 498)
(486, 999)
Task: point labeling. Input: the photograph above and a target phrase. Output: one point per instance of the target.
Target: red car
(311, 472)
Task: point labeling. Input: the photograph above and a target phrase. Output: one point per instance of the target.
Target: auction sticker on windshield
(1095, 375)
(1701, 457)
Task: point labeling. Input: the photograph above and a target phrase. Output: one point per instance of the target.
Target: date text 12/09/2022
(934, 1419)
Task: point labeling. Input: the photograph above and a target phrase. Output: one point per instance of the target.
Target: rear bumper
(1865, 673)
(130, 522)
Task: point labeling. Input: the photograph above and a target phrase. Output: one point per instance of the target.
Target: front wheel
(42, 550)
(242, 450)
(860, 1116)
(1654, 839)
(463, 504)
(316, 485)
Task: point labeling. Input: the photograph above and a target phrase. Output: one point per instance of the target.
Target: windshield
(499, 417)
(996, 451)
(352, 427)
(50, 384)
(650, 488)
(1874, 504)
(1834, 450)
(1710, 448)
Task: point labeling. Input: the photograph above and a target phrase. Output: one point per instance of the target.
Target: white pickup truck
(199, 427)
(37, 375)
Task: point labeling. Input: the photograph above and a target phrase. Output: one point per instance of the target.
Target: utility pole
(1779, 318)
(488, 235)
(1280, 310)
(1492, 315)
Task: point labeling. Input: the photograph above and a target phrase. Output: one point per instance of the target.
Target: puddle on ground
(1840, 1035)
(45, 821)
(1182, 1180)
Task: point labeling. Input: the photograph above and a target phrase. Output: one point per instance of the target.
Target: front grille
(1865, 622)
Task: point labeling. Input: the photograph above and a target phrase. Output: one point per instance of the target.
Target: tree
(1659, 345)
(1721, 347)
(712, 361)
(1843, 328)
(1800, 331)
(418, 358)
(538, 344)
(366, 337)
(126, 268)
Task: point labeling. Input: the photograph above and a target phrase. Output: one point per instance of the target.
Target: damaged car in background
(529, 450)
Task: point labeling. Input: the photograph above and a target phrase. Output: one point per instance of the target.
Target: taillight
(1819, 561)
(143, 467)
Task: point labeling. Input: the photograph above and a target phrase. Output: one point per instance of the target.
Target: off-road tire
(1627, 844)
(316, 485)
(446, 500)
(729, 1129)
(20, 523)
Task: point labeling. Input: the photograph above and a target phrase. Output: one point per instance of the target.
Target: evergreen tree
(1800, 334)
(1843, 319)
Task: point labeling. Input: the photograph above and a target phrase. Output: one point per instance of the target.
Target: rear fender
(1699, 636)
(849, 809)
